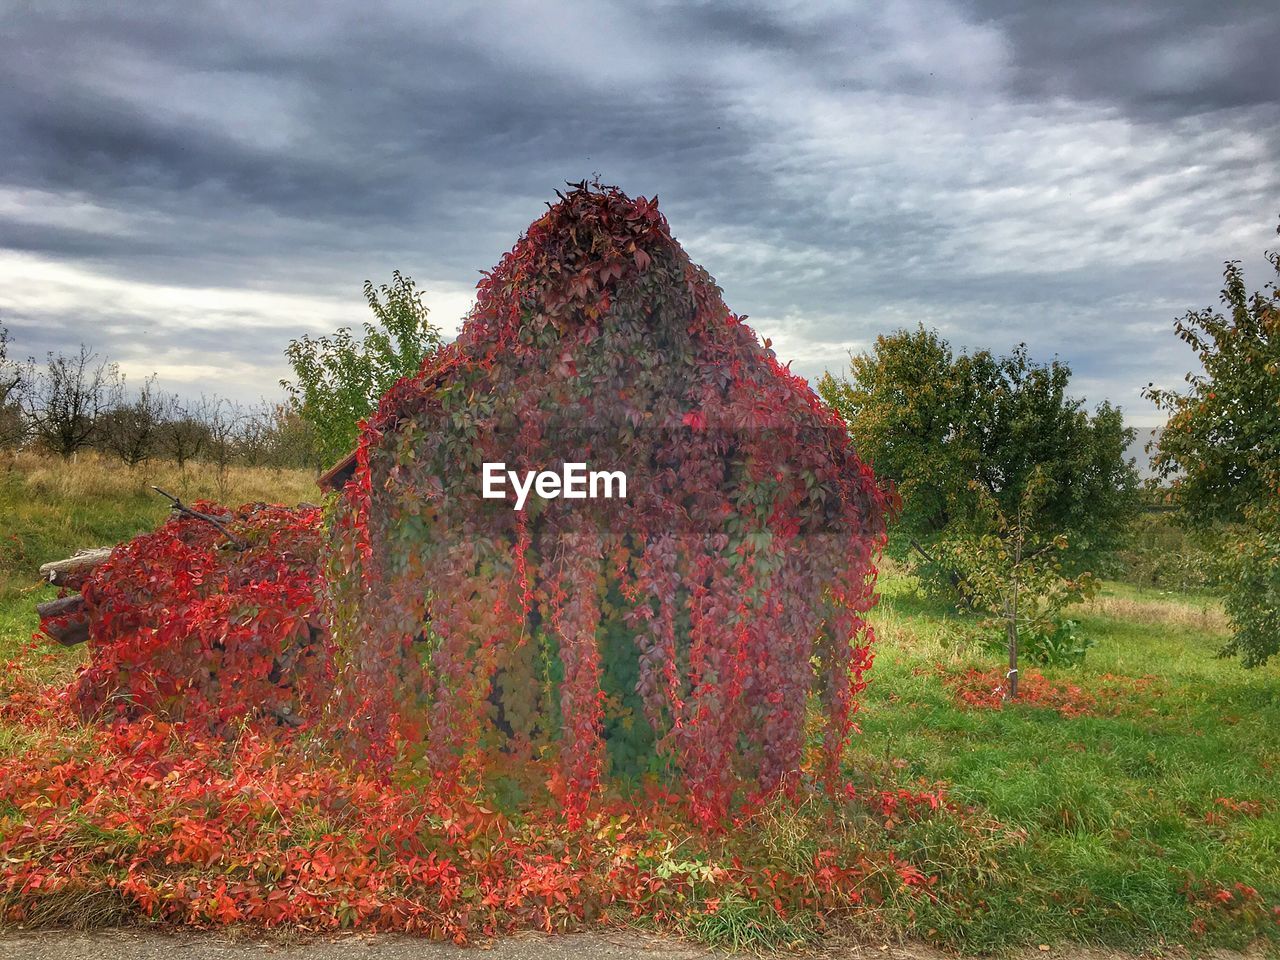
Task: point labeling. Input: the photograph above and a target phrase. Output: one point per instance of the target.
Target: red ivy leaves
(1107, 693)
(183, 624)
(166, 823)
(743, 552)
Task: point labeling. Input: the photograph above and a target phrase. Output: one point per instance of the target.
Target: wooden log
(61, 607)
(74, 571)
(65, 620)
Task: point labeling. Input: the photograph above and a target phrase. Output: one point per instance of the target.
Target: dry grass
(1205, 615)
(940, 635)
(49, 508)
(90, 476)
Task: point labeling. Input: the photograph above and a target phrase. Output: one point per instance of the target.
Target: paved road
(154, 945)
(150, 945)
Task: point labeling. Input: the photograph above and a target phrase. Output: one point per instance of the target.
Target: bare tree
(254, 436)
(65, 399)
(183, 434)
(131, 426)
(13, 382)
(293, 440)
(221, 419)
(276, 435)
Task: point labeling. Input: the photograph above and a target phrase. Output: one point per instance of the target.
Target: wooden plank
(336, 477)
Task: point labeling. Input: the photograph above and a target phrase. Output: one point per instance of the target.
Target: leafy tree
(950, 429)
(66, 399)
(339, 378)
(1220, 451)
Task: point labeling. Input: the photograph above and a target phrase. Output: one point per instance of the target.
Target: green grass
(740, 925)
(50, 508)
(1113, 806)
(1107, 814)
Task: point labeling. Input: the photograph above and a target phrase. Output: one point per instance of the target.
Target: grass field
(50, 508)
(1145, 811)
(1170, 795)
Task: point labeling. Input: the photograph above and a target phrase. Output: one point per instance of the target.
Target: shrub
(1054, 642)
(741, 557)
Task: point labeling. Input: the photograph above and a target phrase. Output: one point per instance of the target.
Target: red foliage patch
(161, 821)
(1226, 809)
(1105, 694)
(186, 624)
(1239, 905)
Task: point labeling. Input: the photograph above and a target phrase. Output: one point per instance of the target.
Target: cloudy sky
(185, 187)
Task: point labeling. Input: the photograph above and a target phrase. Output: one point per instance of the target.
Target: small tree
(339, 379)
(66, 399)
(1010, 570)
(222, 420)
(1220, 451)
(130, 428)
(950, 430)
(253, 436)
(290, 440)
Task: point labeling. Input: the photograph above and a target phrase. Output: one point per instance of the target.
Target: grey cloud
(837, 168)
(1153, 59)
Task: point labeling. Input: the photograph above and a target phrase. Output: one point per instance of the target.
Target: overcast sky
(187, 186)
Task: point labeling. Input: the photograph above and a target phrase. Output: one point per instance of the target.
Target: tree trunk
(1012, 626)
(1011, 629)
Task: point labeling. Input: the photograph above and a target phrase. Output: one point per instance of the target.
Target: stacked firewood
(66, 620)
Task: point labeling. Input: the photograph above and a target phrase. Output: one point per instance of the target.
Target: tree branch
(956, 576)
(181, 507)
